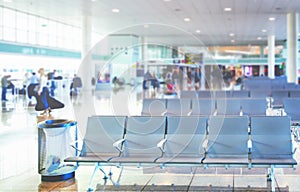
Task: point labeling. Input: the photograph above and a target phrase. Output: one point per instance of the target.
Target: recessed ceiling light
(187, 19)
(93, 0)
(115, 10)
(298, 34)
(272, 18)
(198, 31)
(264, 30)
(232, 40)
(258, 38)
(167, 0)
(231, 34)
(227, 9)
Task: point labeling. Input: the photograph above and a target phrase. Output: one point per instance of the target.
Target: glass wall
(19, 27)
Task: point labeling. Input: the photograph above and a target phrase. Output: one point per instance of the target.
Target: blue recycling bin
(54, 145)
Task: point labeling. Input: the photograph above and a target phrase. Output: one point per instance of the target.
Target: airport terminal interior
(156, 95)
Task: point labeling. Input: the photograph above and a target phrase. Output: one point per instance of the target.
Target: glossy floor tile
(19, 153)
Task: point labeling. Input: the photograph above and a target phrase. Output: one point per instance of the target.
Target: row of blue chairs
(270, 84)
(208, 141)
(186, 107)
(240, 94)
(275, 98)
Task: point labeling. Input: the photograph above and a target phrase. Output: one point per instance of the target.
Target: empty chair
(185, 136)
(189, 94)
(203, 107)
(257, 83)
(155, 107)
(263, 93)
(289, 86)
(181, 107)
(278, 96)
(222, 94)
(253, 106)
(205, 94)
(101, 133)
(143, 133)
(294, 93)
(240, 94)
(227, 140)
(271, 141)
(291, 107)
(277, 84)
(228, 107)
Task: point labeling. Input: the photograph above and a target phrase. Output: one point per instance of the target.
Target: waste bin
(55, 137)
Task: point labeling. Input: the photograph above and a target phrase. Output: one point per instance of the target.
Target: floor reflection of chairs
(69, 185)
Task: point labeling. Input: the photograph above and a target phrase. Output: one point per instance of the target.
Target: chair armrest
(189, 113)
(294, 146)
(249, 143)
(160, 145)
(72, 144)
(118, 144)
(205, 144)
(164, 113)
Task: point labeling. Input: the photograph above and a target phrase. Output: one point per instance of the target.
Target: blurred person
(33, 83)
(43, 91)
(76, 85)
(51, 77)
(4, 85)
(45, 103)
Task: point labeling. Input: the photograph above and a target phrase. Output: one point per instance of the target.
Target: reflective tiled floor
(19, 154)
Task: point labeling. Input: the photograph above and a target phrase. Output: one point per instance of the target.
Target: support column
(87, 67)
(203, 79)
(292, 48)
(86, 35)
(144, 53)
(261, 53)
(271, 56)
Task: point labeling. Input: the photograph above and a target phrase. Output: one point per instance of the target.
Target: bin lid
(57, 123)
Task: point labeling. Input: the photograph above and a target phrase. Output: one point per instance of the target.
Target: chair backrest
(263, 93)
(185, 135)
(220, 94)
(155, 107)
(205, 94)
(227, 136)
(189, 94)
(291, 107)
(294, 93)
(101, 133)
(240, 94)
(271, 137)
(179, 107)
(257, 83)
(278, 96)
(278, 83)
(254, 106)
(289, 86)
(203, 107)
(228, 107)
(142, 135)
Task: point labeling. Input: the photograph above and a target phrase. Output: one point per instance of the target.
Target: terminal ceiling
(162, 21)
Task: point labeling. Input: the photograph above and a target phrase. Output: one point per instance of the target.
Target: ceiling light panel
(227, 9)
(187, 19)
(115, 10)
(272, 18)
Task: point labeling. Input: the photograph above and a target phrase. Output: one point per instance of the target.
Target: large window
(9, 24)
(26, 28)
(1, 23)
